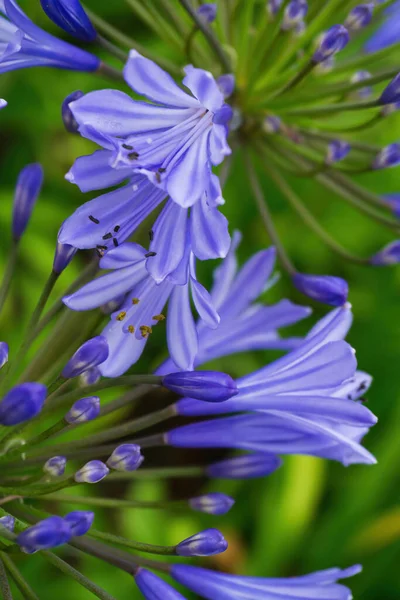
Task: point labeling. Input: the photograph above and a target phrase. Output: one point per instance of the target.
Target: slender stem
(4, 584)
(139, 546)
(292, 83)
(116, 503)
(112, 48)
(19, 580)
(129, 398)
(11, 262)
(332, 108)
(110, 72)
(158, 473)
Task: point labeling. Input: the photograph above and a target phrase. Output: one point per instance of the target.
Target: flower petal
(94, 172)
(204, 305)
(204, 87)
(208, 231)
(181, 330)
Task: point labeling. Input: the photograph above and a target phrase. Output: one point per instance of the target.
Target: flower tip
(91, 354)
(3, 353)
(55, 466)
(126, 457)
(92, 472)
(322, 288)
(22, 403)
(206, 543)
(331, 41)
(389, 255)
(80, 521)
(70, 16)
(214, 503)
(27, 190)
(83, 410)
(211, 386)
(391, 93)
(207, 12)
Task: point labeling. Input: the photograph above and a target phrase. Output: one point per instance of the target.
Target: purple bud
(207, 12)
(223, 115)
(389, 255)
(366, 91)
(126, 457)
(92, 472)
(387, 157)
(337, 151)
(359, 17)
(247, 466)
(49, 533)
(89, 355)
(205, 543)
(3, 354)
(271, 124)
(391, 93)
(153, 588)
(89, 377)
(55, 466)
(226, 84)
(8, 522)
(393, 200)
(214, 503)
(68, 118)
(331, 42)
(322, 288)
(273, 7)
(79, 521)
(63, 255)
(27, 190)
(70, 16)
(21, 403)
(3, 103)
(211, 386)
(83, 410)
(294, 13)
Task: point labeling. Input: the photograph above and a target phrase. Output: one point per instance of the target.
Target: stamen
(107, 236)
(121, 315)
(101, 247)
(145, 330)
(127, 147)
(117, 228)
(94, 220)
(131, 329)
(133, 155)
(149, 254)
(159, 317)
(151, 235)
(135, 300)
(115, 242)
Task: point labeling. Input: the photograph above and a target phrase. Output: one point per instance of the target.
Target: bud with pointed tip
(214, 503)
(80, 521)
(63, 255)
(89, 355)
(83, 410)
(126, 457)
(22, 403)
(207, 12)
(393, 200)
(391, 93)
(89, 377)
(322, 288)
(27, 190)
(55, 466)
(49, 533)
(70, 16)
(246, 466)
(211, 386)
(294, 13)
(337, 151)
(359, 17)
(205, 543)
(332, 41)
(389, 156)
(92, 472)
(68, 118)
(3, 354)
(389, 255)
(8, 522)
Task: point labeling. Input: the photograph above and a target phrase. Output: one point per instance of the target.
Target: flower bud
(337, 151)
(153, 587)
(358, 76)
(391, 93)
(27, 190)
(322, 288)
(3, 354)
(70, 16)
(294, 13)
(205, 543)
(3, 103)
(79, 521)
(68, 118)
(273, 7)
(92, 472)
(211, 386)
(207, 12)
(49, 533)
(8, 522)
(63, 255)
(226, 84)
(83, 410)
(389, 156)
(331, 42)
(247, 466)
(126, 457)
(271, 124)
(393, 200)
(359, 17)
(89, 355)
(55, 466)
(22, 403)
(389, 255)
(89, 377)
(214, 503)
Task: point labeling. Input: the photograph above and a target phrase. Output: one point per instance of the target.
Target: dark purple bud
(247, 466)
(79, 521)
(273, 7)
(93, 472)
(226, 84)
(391, 93)
(70, 16)
(22, 403)
(337, 151)
(83, 410)
(153, 588)
(271, 124)
(89, 355)
(214, 503)
(68, 118)
(27, 190)
(126, 457)
(205, 543)
(46, 534)
(322, 288)
(63, 256)
(223, 115)
(207, 12)
(211, 386)
(359, 17)
(3, 354)
(294, 13)
(8, 522)
(389, 255)
(55, 466)
(90, 377)
(331, 42)
(387, 157)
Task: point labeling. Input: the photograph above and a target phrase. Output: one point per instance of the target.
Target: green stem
(9, 271)
(139, 546)
(116, 503)
(112, 48)
(19, 580)
(292, 83)
(4, 584)
(110, 72)
(333, 108)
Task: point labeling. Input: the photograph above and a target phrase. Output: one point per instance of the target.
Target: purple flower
(70, 16)
(358, 76)
(49, 533)
(389, 156)
(220, 586)
(226, 84)
(79, 521)
(153, 588)
(389, 32)
(389, 255)
(8, 522)
(294, 13)
(92, 472)
(63, 255)
(359, 17)
(22, 403)
(126, 457)
(205, 543)
(68, 118)
(394, 202)
(210, 386)
(23, 44)
(27, 191)
(55, 466)
(331, 42)
(273, 6)
(214, 503)
(173, 141)
(322, 288)
(246, 466)
(3, 354)
(83, 410)
(337, 151)
(208, 12)
(91, 354)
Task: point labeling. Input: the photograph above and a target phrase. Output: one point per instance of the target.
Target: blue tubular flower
(22, 403)
(214, 503)
(219, 586)
(174, 141)
(55, 466)
(3, 354)
(91, 354)
(210, 386)
(205, 543)
(391, 93)
(360, 16)
(322, 288)
(331, 42)
(389, 32)
(153, 588)
(92, 472)
(23, 44)
(79, 521)
(28, 187)
(70, 16)
(83, 410)
(389, 255)
(49, 533)
(126, 457)
(247, 466)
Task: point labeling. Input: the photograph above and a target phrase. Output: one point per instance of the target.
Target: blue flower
(91, 354)
(210, 386)
(70, 16)
(126, 457)
(92, 472)
(322, 288)
(389, 32)
(389, 255)
(55, 466)
(3, 353)
(79, 521)
(22, 403)
(204, 543)
(49, 533)
(27, 190)
(246, 466)
(23, 44)
(331, 42)
(213, 503)
(83, 410)
(360, 16)
(173, 141)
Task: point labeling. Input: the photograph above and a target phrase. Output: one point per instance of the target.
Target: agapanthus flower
(389, 32)
(23, 44)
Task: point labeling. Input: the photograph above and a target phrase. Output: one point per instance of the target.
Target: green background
(309, 515)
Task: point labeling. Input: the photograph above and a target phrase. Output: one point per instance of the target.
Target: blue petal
(94, 172)
(181, 330)
(208, 231)
(219, 147)
(123, 256)
(225, 273)
(203, 303)
(204, 87)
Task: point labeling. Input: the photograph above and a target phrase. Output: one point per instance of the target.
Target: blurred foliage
(309, 515)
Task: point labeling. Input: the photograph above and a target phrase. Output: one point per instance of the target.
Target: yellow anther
(159, 317)
(121, 316)
(145, 330)
(135, 300)
(131, 329)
